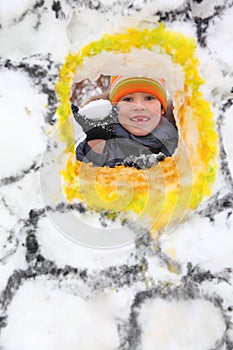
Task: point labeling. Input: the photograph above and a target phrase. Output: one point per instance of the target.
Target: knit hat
(122, 86)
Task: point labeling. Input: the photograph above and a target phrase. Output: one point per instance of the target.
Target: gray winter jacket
(121, 144)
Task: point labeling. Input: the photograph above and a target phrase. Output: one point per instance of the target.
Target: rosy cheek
(156, 107)
(123, 108)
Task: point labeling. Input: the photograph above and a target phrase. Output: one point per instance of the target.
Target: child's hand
(97, 145)
(99, 133)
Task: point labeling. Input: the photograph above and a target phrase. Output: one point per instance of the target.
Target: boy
(142, 129)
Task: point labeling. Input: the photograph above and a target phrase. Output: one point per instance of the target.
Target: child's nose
(138, 105)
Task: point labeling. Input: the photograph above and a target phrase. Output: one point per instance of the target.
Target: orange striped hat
(122, 86)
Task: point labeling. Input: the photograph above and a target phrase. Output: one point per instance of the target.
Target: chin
(139, 132)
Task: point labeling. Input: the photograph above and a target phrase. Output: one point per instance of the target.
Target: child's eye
(127, 99)
(149, 97)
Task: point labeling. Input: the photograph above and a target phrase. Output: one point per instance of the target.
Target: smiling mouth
(140, 119)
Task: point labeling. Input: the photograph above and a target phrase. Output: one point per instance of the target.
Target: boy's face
(139, 113)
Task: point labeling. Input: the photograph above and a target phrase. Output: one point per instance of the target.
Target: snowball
(96, 110)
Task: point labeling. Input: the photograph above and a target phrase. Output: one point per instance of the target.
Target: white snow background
(172, 294)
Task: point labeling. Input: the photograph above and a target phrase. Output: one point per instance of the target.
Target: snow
(27, 191)
(55, 319)
(199, 242)
(219, 38)
(23, 115)
(79, 33)
(12, 9)
(56, 246)
(96, 110)
(205, 8)
(184, 320)
(30, 35)
(227, 130)
(155, 65)
(174, 293)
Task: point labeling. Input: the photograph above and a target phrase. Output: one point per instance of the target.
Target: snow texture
(172, 294)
